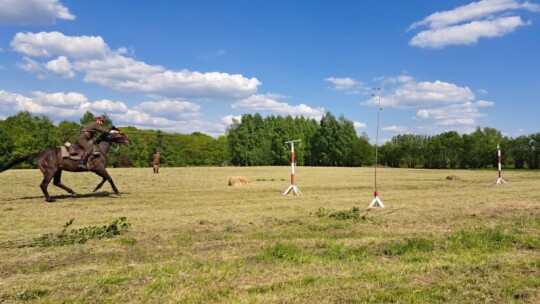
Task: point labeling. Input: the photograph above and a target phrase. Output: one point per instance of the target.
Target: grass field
(190, 238)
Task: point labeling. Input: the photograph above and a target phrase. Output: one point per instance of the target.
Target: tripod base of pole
(376, 202)
(500, 181)
(294, 189)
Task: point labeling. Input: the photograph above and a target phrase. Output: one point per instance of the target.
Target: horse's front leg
(103, 173)
(44, 183)
(57, 182)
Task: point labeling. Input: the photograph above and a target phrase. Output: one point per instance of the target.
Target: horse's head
(118, 137)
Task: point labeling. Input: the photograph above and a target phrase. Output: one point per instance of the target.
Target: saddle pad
(65, 154)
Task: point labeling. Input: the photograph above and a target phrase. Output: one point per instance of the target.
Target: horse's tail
(22, 159)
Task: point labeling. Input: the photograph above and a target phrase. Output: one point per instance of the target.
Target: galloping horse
(51, 163)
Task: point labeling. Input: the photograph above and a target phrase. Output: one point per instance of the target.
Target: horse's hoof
(73, 194)
(50, 200)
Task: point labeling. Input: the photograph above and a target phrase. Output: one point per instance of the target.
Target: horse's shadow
(66, 196)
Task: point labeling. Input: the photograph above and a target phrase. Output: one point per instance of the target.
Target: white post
(376, 202)
(500, 180)
(292, 187)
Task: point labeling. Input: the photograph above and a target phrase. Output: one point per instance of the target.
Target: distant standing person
(156, 158)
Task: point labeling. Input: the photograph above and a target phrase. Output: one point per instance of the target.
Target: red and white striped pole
(500, 180)
(292, 187)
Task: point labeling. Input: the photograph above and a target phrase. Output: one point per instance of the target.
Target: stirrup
(82, 166)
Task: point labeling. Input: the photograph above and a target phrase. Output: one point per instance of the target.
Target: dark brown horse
(51, 162)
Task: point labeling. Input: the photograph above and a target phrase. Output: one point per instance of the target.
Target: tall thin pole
(376, 202)
(378, 95)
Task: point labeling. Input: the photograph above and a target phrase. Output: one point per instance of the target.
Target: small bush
(353, 213)
(76, 236)
(128, 241)
(412, 245)
(285, 253)
(483, 239)
(322, 212)
(32, 294)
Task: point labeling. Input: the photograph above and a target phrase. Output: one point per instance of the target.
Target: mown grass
(193, 239)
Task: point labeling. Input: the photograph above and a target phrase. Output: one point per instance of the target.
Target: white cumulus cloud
(347, 85)
(30, 65)
(57, 105)
(467, 24)
(68, 100)
(49, 44)
(61, 66)
(397, 129)
(171, 109)
(409, 93)
(456, 115)
(269, 103)
(91, 56)
(359, 125)
(10, 100)
(466, 34)
(107, 106)
(33, 12)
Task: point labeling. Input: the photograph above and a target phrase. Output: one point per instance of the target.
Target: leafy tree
(87, 118)
(482, 147)
(409, 150)
(221, 154)
(238, 136)
(362, 152)
(389, 154)
(68, 131)
(452, 145)
(520, 151)
(6, 147)
(29, 134)
(308, 129)
(535, 151)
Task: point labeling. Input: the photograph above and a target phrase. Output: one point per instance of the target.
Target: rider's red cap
(99, 119)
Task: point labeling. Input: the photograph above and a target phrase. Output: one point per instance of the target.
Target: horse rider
(85, 139)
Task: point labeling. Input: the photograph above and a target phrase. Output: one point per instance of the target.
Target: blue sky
(185, 66)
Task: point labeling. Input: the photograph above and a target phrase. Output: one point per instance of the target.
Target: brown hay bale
(239, 181)
(453, 177)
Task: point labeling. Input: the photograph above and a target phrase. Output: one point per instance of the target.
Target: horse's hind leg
(57, 182)
(44, 183)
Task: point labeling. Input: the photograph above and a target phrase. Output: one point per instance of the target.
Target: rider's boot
(82, 163)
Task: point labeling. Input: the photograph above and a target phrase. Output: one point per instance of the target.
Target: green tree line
(254, 140)
(451, 150)
(26, 133)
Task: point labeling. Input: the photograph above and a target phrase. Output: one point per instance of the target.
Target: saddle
(75, 152)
